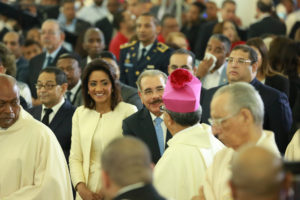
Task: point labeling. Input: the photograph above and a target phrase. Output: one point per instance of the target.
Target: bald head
(9, 101)
(93, 42)
(256, 173)
(127, 161)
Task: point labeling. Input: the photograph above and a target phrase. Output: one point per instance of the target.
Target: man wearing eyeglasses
(242, 67)
(52, 38)
(147, 124)
(55, 112)
(237, 116)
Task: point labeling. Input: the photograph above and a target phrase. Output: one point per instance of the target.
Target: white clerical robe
(292, 152)
(180, 171)
(32, 163)
(218, 174)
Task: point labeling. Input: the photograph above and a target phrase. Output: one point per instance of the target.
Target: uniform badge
(133, 55)
(150, 67)
(148, 57)
(137, 73)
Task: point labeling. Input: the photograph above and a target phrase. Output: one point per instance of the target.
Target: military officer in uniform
(146, 53)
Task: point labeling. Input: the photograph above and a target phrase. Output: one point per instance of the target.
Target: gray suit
(129, 95)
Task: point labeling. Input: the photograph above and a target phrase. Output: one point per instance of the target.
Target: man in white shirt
(181, 170)
(32, 163)
(92, 13)
(237, 113)
(213, 73)
(69, 63)
(55, 112)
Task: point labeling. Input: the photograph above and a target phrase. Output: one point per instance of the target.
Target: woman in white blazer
(95, 124)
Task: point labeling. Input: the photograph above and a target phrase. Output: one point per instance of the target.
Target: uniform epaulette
(162, 47)
(129, 44)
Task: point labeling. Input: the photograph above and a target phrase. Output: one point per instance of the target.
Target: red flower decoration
(180, 77)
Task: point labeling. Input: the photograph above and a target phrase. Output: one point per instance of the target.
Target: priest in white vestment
(180, 171)
(237, 114)
(32, 163)
(292, 152)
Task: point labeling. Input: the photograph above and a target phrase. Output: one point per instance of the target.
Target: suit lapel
(37, 113)
(59, 116)
(149, 129)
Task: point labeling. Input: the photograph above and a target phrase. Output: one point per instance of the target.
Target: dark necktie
(143, 54)
(68, 94)
(45, 119)
(49, 60)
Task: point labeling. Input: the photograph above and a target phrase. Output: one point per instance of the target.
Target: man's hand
(203, 67)
(87, 194)
(200, 196)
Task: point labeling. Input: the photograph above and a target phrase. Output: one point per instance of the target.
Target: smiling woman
(95, 124)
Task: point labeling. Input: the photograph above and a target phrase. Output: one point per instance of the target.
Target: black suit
(277, 118)
(36, 65)
(61, 125)
(107, 28)
(147, 192)
(279, 82)
(140, 125)
(268, 25)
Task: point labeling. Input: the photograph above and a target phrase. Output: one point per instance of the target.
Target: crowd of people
(144, 99)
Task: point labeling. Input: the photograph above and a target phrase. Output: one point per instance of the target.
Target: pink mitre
(182, 92)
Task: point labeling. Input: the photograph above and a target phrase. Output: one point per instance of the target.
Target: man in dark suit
(93, 44)
(52, 38)
(54, 112)
(129, 94)
(73, 26)
(145, 53)
(144, 123)
(227, 13)
(69, 63)
(242, 66)
(14, 42)
(267, 24)
(127, 171)
(107, 24)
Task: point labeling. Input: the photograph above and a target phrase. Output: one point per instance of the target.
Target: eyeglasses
(219, 121)
(240, 61)
(47, 86)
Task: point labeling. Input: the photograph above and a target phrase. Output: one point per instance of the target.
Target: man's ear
(233, 189)
(2, 69)
(254, 67)
(64, 87)
(140, 95)
(105, 179)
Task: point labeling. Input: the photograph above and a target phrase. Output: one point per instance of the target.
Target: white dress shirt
(54, 110)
